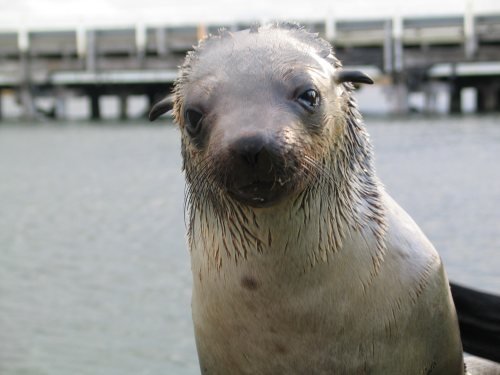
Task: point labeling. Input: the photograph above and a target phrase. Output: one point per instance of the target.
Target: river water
(94, 272)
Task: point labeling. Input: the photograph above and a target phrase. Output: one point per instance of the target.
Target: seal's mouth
(259, 193)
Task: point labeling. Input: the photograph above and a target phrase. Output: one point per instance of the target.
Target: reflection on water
(94, 275)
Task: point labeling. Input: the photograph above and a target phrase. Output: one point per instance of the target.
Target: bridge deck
(94, 61)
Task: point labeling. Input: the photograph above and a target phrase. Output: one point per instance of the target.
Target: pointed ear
(354, 76)
(160, 108)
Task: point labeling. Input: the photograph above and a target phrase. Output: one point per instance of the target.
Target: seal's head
(258, 109)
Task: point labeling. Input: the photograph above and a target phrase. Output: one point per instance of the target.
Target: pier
(451, 59)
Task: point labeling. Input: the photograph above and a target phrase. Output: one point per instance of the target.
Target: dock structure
(451, 54)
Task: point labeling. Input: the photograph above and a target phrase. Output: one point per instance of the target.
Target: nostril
(251, 156)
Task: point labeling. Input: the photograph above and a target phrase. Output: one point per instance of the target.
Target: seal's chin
(259, 194)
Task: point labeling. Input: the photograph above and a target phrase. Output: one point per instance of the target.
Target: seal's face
(258, 110)
(252, 109)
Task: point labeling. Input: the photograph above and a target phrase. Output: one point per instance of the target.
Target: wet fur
(350, 156)
(245, 258)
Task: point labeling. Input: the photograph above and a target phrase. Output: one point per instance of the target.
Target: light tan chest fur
(286, 307)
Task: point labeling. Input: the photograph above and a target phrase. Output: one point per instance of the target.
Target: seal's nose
(254, 152)
(255, 173)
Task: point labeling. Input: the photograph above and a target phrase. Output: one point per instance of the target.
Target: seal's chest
(264, 326)
(264, 333)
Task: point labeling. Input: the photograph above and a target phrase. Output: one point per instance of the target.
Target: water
(94, 274)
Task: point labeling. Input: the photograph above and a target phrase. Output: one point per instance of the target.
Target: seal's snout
(253, 152)
(256, 176)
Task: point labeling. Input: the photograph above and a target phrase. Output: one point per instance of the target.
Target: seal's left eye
(193, 124)
(309, 99)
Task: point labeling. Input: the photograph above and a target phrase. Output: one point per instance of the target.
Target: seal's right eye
(309, 99)
(193, 121)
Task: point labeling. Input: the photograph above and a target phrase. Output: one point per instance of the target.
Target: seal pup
(301, 262)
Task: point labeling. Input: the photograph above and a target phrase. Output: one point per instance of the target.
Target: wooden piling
(95, 110)
(123, 106)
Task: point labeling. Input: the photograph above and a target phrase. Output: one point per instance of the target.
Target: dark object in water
(479, 321)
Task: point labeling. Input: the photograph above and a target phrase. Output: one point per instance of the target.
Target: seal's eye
(193, 123)
(309, 99)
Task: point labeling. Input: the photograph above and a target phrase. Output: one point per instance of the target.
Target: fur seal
(301, 262)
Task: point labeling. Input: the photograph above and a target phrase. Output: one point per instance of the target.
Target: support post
(430, 98)
(497, 95)
(400, 90)
(81, 46)
(397, 32)
(470, 40)
(151, 98)
(140, 42)
(455, 98)
(60, 104)
(330, 28)
(91, 61)
(123, 106)
(161, 41)
(25, 93)
(388, 66)
(455, 91)
(95, 110)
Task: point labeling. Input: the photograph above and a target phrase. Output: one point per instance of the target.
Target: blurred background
(94, 271)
